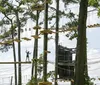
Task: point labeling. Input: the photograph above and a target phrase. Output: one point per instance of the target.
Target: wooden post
(45, 83)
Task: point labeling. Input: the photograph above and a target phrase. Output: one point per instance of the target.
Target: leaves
(66, 2)
(17, 40)
(2, 9)
(38, 7)
(48, 1)
(94, 3)
(98, 11)
(9, 42)
(73, 36)
(1, 23)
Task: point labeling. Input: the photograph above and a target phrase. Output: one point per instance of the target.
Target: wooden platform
(66, 64)
(29, 62)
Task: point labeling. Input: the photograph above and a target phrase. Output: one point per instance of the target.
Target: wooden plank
(67, 64)
(16, 62)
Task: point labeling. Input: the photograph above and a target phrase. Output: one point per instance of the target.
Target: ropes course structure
(51, 62)
(42, 32)
(49, 31)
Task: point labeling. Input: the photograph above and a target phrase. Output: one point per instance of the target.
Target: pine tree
(81, 54)
(56, 40)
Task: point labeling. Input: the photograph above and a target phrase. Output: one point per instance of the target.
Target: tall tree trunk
(35, 53)
(45, 43)
(14, 54)
(56, 40)
(13, 45)
(81, 55)
(19, 50)
(36, 47)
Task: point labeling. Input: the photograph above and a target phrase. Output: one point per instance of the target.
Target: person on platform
(27, 55)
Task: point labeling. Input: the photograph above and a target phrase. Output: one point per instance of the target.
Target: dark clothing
(27, 55)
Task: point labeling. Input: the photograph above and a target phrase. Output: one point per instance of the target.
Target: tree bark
(81, 55)
(19, 50)
(34, 51)
(13, 45)
(36, 47)
(56, 41)
(14, 54)
(45, 43)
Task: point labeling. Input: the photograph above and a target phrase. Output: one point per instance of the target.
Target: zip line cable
(92, 10)
(13, 73)
(30, 66)
(95, 62)
(89, 63)
(9, 70)
(94, 69)
(57, 67)
(94, 58)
